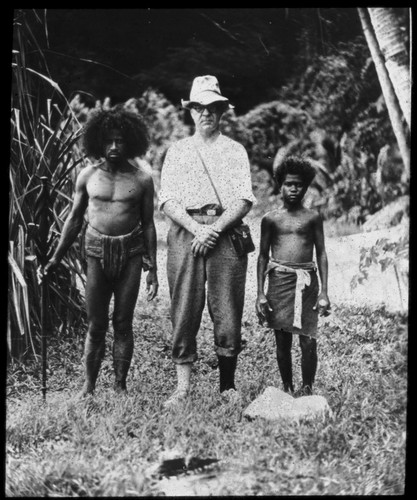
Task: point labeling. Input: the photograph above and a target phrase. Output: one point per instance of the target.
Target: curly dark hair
(102, 121)
(295, 165)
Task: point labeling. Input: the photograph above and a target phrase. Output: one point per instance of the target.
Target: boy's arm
(149, 232)
(73, 223)
(263, 259)
(323, 302)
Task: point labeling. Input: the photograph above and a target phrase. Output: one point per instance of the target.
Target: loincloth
(114, 251)
(292, 293)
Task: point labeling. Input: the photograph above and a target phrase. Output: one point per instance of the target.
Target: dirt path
(381, 287)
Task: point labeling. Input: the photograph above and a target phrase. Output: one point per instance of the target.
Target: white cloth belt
(303, 280)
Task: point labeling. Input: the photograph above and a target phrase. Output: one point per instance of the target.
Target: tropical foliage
(44, 143)
(385, 254)
(334, 115)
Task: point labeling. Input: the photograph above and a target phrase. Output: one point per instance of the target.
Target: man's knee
(98, 322)
(97, 332)
(95, 344)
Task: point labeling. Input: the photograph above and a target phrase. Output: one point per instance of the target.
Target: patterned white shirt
(184, 179)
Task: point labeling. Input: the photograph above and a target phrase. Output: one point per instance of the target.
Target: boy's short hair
(102, 121)
(295, 165)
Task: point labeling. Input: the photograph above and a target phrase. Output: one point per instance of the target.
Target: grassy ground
(109, 446)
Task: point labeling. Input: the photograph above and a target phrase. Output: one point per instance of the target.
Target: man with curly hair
(117, 197)
(292, 303)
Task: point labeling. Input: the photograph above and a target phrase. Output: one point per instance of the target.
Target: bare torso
(292, 234)
(114, 199)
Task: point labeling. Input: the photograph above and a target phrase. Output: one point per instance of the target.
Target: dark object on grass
(176, 466)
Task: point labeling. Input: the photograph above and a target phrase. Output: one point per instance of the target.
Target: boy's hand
(262, 306)
(323, 305)
(152, 284)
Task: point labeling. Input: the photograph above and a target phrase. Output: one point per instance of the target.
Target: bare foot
(86, 391)
(289, 390)
(177, 398)
(303, 391)
(231, 396)
(120, 387)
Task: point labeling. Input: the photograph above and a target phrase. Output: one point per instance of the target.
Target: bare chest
(114, 188)
(293, 225)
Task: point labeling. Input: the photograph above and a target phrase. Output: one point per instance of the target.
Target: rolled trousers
(221, 276)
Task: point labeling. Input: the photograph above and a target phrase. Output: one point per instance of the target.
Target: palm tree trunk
(390, 97)
(394, 48)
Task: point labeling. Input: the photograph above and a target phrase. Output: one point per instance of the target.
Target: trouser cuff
(192, 358)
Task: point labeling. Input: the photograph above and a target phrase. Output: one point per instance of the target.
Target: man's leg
(125, 296)
(186, 279)
(284, 358)
(227, 369)
(97, 296)
(308, 362)
(226, 278)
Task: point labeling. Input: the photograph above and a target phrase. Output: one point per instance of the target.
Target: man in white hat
(200, 253)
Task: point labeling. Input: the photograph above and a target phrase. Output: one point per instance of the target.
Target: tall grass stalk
(44, 142)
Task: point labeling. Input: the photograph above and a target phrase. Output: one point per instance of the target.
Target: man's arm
(263, 259)
(323, 302)
(73, 223)
(170, 194)
(149, 232)
(233, 213)
(205, 235)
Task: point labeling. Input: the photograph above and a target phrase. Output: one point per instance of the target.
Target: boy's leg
(125, 296)
(284, 358)
(97, 297)
(308, 362)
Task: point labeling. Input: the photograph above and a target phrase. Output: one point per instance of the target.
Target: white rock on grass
(274, 404)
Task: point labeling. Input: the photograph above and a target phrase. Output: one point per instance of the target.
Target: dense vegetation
(330, 110)
(253, 51)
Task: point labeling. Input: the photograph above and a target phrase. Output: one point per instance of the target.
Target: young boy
(293, 302)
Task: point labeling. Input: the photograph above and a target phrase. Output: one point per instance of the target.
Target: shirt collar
(200, 142)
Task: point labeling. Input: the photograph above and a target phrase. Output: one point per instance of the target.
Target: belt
(204, 211)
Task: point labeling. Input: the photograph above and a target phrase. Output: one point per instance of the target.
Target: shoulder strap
(208, 175)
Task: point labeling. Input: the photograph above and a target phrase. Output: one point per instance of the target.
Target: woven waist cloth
(302, 270)
(114, 251)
